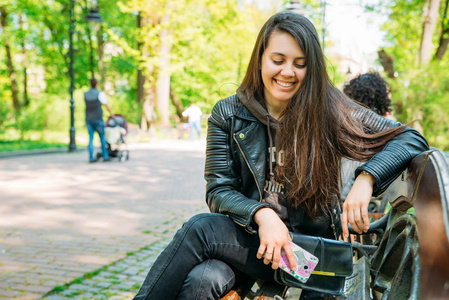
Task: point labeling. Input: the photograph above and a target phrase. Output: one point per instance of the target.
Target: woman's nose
(287, 70)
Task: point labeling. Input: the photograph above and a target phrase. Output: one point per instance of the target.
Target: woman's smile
(285, 84)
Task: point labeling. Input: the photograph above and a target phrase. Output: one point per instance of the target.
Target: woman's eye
(277, 62)
(300, 66)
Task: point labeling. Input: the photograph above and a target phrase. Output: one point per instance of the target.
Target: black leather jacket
(236, 162)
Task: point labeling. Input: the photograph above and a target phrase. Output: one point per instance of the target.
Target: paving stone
(92, 290)
(79, 227)
(89, 282)
(131, 271)
(56, 297)
(126, 285)
(10, 293)
(78, 287)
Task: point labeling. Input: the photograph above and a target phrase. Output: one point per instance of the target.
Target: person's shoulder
(226, 107)
(232, 100)
(102, 97)
(229, 103)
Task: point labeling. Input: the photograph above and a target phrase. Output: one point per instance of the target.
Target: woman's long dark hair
(317, 127)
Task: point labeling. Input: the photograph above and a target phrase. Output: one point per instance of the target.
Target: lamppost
(295, 6)
(94, 17)
(72, 144)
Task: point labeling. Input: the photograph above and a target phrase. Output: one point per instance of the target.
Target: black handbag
(335, 264)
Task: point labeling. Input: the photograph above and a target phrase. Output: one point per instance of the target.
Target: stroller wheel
(121, 157)
(127, 155)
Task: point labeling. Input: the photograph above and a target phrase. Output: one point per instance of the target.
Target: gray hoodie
(274, 189)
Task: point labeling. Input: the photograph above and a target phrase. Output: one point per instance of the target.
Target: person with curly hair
(371, 90)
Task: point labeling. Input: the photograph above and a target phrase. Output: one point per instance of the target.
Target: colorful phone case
(305, 263)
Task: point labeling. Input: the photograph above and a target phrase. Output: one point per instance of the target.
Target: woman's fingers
(357, 217)
(344, 223)
(352, 218)
(355, 208)
(273, 256)
(290, 257)
(268, 256)
(357, 221)
(273, 235)
(261, 251)
(276, 258)
(360, 221)
(365, 218)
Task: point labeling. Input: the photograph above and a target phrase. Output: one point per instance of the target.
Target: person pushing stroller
(95, 99)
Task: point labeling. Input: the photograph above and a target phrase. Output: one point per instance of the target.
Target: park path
(61, 217)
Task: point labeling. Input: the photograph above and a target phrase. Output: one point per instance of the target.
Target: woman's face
(283, 69)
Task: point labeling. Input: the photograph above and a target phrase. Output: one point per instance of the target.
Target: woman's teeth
(284, 84)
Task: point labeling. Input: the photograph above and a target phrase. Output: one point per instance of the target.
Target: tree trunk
(26, 100)
(444, 37)
(430, 18)
(140, 83)
(91, 53)
(179, 107)
(101, 57)
(12, 74)
(148, 111)
(140, 76)
(149, 116)
(163, 81)
(387, 63)
(444, 42)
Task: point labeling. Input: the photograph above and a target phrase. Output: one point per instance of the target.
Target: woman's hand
(355, 207)
(274, 237)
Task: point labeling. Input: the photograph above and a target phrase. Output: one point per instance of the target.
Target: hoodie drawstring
(271, 151)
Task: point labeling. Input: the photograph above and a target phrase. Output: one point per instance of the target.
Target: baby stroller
(115, 134)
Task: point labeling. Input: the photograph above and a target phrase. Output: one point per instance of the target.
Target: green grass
(11, 146)
(11, 140)
(88, 275)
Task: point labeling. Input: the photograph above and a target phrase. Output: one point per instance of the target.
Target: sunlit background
(154, 58)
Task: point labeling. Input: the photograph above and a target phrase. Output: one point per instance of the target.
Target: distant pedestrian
(193, 112)
(95, 99)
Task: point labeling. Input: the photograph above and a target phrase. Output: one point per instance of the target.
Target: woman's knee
(208, 280)
(207, 222)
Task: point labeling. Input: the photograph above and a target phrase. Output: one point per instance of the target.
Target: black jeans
(202, 261)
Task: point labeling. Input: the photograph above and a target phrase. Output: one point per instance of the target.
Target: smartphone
(305, 263)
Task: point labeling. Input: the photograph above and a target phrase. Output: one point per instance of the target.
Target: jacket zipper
(249, 167)
(332, 220)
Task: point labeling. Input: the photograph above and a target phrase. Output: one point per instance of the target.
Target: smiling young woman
(272, 166)
(283, 70)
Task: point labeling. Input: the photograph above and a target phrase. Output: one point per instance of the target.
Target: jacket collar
(255, 109)
(243, 113)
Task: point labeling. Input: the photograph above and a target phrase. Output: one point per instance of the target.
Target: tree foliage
(210, 44)
(419, 89)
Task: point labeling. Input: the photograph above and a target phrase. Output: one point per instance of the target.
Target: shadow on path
(62, 217)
